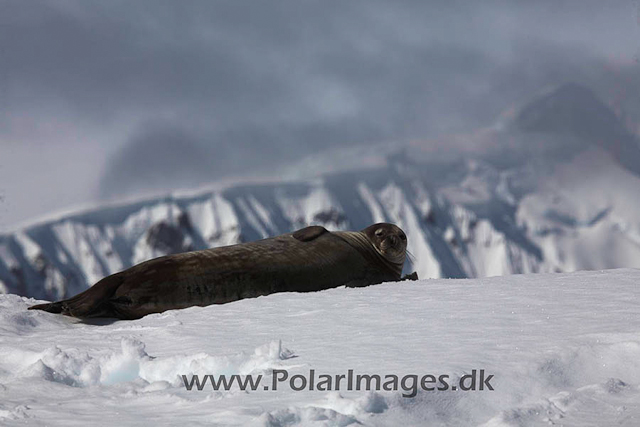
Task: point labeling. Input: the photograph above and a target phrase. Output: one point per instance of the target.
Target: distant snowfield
(564, 349)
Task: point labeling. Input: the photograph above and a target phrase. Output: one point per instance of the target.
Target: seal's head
(389, 241)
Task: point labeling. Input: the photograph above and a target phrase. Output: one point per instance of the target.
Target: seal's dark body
(308, 260)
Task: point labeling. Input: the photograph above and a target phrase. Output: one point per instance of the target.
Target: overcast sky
(100, 99)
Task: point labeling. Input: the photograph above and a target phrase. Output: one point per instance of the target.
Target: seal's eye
(403, 237)
(379, 232)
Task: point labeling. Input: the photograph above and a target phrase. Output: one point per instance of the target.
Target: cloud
(157, 154)
(255, 84)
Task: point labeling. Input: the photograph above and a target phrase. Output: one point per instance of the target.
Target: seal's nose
(393, 240)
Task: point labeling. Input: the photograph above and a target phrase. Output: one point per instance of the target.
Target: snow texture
(564, 349)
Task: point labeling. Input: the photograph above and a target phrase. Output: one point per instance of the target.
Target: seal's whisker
(411, 256)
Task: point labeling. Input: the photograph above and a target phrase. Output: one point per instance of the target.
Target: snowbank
(563, 349)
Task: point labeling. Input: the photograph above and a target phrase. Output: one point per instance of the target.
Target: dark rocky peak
(575, 111)
(167, 238)
(570, 109)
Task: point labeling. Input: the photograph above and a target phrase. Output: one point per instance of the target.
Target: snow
(573, 218)
(252, 219)
(301, 211)
(372, 204)
(564, 350)
(401, 213)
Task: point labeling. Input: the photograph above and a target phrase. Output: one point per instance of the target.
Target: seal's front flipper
(412, 276)
(309, 233)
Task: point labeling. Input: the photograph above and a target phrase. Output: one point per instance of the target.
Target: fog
(102, 100)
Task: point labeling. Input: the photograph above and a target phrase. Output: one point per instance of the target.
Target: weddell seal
(310, 259)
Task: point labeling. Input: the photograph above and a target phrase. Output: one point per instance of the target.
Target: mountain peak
(570, 109)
